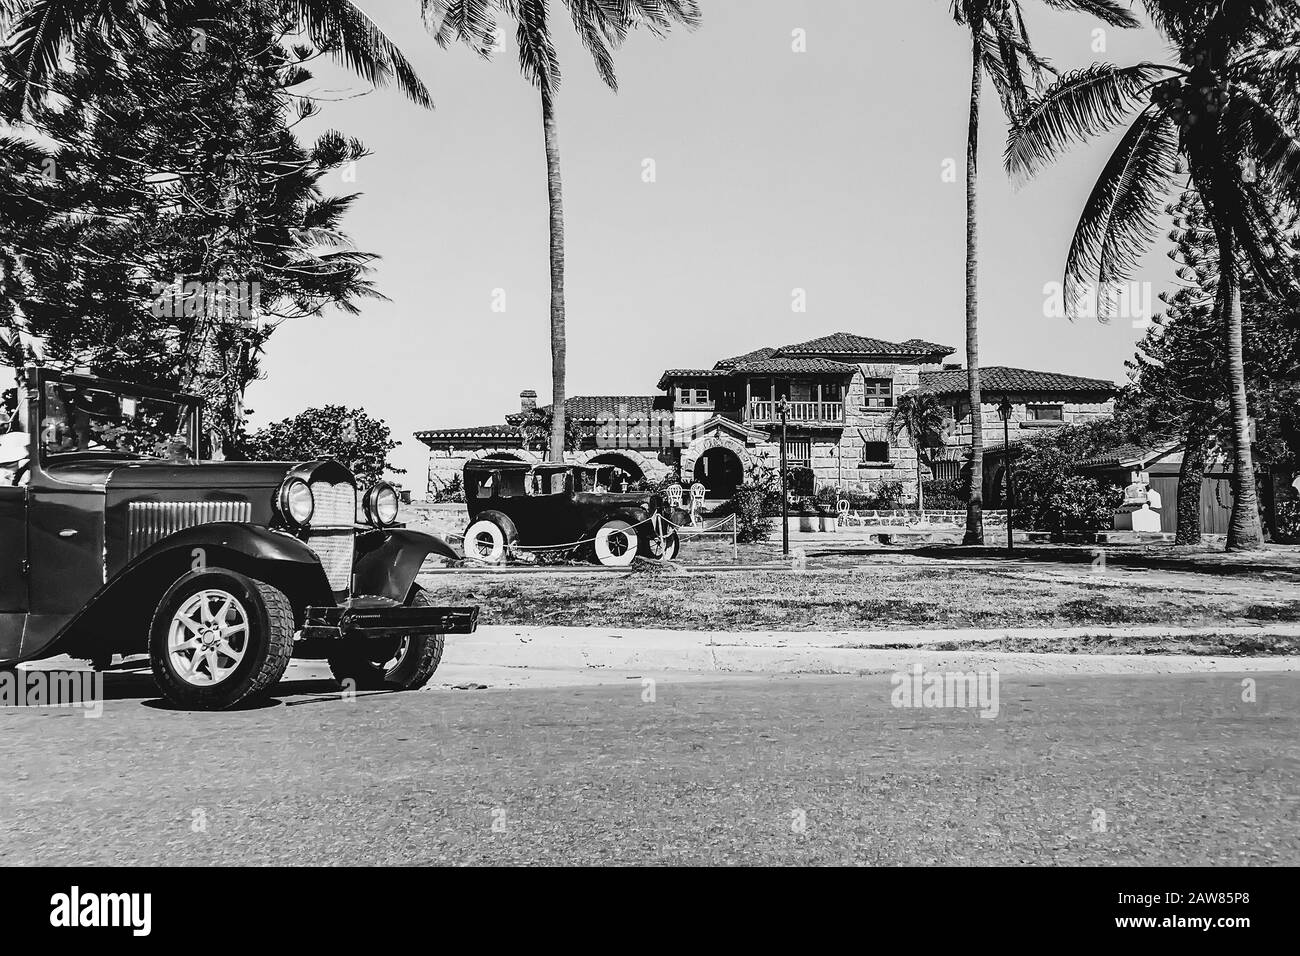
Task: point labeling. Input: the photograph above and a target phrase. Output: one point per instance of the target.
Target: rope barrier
(683, 531)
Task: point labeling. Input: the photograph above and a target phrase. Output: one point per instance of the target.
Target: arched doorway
(720, 471)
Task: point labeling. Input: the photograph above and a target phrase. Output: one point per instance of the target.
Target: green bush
(1051, 496)
(801, 481)
(454, 491)
(1287, 514)
(889, 494)
(945, 495)
(753, 521)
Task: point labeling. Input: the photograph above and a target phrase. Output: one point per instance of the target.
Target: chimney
(527, 401)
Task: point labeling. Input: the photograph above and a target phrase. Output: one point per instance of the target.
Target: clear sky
(775, 170)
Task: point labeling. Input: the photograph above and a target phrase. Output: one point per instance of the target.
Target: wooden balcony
(816, 413)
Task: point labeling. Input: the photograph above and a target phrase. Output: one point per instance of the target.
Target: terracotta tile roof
(503, 432)
(1000, 378)
(1126, 455)
(673, 374)
(765, 352)
(928, 346)
(812, 366)
(847, 343)
(588, 408)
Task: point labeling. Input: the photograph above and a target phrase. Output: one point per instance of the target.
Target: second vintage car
(115, 538)
(514, 506)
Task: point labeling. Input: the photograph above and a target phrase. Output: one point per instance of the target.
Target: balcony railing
(797, 411)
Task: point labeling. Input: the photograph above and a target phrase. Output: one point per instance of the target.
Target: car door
(551, 507)
(13, 571)
(13, 549)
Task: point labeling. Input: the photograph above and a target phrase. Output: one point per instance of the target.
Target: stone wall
(1074, 413)
(904, 516)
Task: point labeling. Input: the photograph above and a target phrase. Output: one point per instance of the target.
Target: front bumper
(340, 623)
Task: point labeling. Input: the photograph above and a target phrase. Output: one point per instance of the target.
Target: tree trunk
(975, 506)
(558, 348)
(920, 491)
(1244, 532)
(1191, 475)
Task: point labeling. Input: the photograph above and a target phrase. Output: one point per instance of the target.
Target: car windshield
(79, 418)
(597, 478)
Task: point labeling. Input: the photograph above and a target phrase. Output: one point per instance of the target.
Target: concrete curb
(837, 652)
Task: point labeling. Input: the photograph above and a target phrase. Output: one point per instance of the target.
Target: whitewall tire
(485, 541)
(616, 544)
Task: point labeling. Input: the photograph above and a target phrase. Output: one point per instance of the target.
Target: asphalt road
(1168, 770)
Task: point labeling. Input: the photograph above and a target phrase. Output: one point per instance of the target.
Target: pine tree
(178, 217)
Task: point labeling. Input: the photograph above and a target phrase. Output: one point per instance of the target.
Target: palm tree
(1000, 47)
(924, 419)
(38, 31)
(602, 26)
(1227, 110)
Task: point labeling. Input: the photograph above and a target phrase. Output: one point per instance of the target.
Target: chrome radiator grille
(334, 548)
(332, 532)
(336, 505)
(151, 521)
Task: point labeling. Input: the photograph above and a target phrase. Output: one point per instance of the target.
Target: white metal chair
(697, 500)
(674, 493)
(843, 516)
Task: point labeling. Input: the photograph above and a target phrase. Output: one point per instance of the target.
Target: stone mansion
(711, 424)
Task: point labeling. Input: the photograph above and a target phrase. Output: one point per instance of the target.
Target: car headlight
(296, 502)
(381, 504)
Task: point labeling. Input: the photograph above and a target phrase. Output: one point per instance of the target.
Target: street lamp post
(784, 407)
(1004, 412)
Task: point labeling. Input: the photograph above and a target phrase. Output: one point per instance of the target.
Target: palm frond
(472, 22)
(599, 32)
(342, 28)
(1013, 92)
(659, 15)
(20, 151)
(1107, 11)
(1254, 130)
(1081, 104)
(1121, 216)
(1037, 65)
(36, 39)
(537, 58)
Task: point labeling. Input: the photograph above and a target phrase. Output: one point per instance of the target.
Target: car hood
(132, 474)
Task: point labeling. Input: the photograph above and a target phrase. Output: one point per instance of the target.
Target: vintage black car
(514, 506)
(115, 538)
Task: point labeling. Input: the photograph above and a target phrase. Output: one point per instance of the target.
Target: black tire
(267, 641)
(650, 545)
(402, 669)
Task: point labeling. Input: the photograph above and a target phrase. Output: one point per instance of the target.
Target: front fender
(250, 540)
(388, 561)
(117, 617)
